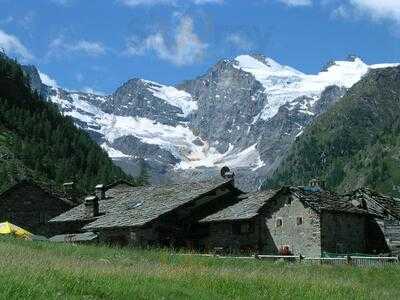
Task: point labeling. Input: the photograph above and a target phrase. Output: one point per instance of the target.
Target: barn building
(306, 221)
(151, 215)
(384, 228)
(30, 206)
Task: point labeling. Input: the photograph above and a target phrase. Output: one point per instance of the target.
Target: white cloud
(378, 9)
(13, 46)
(91, 48)
(47, 80)
(186, 47)
(90, 90)
(133, 3)
(239, 41)
(59, 47)
(297, 2)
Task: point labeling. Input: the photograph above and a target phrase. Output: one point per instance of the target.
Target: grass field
(40, 270)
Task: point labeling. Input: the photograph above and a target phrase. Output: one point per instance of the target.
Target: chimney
(69, 191)
(226, 173)
(100, 191)
(317, 184)
(91, 206)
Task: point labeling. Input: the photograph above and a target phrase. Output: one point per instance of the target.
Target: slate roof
(74, 237)
(320, 200)
(314, 198)
(137, 206)
(378, 204)
(119, 184)
(45, 188)
(246, 209)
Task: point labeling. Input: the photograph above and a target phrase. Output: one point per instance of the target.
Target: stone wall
(68, 227)
(30, 207)
(285, 223)
(267, 238)
(301, 238)
(343, 233)
(223, 235)
(134, 237)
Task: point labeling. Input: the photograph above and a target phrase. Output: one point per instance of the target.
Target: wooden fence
(345, 260)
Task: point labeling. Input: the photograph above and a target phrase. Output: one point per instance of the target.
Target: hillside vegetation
(40, 270)
(37, 142)
(356, 143)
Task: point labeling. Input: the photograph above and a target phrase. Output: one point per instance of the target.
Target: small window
(279, 222)
(299, 220)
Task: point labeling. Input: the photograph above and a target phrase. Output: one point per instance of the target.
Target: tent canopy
(11, 229)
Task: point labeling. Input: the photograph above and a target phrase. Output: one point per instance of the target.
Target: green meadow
(42, 270)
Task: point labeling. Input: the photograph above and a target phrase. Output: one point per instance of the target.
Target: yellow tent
(8, 228)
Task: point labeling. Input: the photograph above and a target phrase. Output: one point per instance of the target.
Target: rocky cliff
(244, 112)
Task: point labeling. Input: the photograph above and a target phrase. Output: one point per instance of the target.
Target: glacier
(258, 106)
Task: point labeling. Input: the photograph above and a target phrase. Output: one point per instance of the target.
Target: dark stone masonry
(213, 216)
(31, 206)
(289, 221)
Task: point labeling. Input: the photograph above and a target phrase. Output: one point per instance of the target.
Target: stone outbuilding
(30, 206)
(384, 228)
(151, 215)
(303, 220)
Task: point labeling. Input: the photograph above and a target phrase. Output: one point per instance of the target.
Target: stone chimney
(91, 206)
(226, 173)
(69, 191)
(317, 183)
(100, 191)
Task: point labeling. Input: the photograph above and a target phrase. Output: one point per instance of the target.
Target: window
(279, 222)
(299, 220)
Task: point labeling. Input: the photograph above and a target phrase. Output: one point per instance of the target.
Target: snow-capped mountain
(244, 113)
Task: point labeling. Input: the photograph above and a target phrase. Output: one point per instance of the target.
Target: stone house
(151, 215)
(30, 205)
(306, 221)
(384, 228)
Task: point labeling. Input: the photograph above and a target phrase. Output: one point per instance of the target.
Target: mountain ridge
(243, 112)
(36, 142)
(354, 144)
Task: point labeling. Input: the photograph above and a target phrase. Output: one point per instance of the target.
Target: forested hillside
(37, 142)
(354, 144)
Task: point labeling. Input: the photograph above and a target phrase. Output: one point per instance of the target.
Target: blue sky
(99, 44)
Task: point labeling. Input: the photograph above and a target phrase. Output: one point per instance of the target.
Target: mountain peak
(352, 57)
(264, 65)
(348, 60)
(34, 78)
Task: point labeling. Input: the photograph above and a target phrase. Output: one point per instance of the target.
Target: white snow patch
(178, 140)
(114, 153)
(299, 134)
(173, 96)
(248, 157)
(47, 80)
(284, 84)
